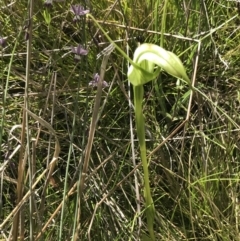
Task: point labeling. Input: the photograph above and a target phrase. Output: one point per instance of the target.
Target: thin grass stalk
(1, 193)
(77, 215)
(163, 24)
(43, 196)
(33, 181)
(52, 111)
(31, 174)
(88, 150)
(66, 179)
(20, 177)
(158, 88)
(190, 196)
(156, 19)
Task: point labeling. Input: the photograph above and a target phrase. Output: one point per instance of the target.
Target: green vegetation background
(194, 175)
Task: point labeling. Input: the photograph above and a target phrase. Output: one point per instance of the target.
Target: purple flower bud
(78, 51)
(95, 80)
(78, 11)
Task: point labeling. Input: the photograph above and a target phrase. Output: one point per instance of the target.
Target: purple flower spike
(3, 41)
(95, 81)
(78, 51)
(48, 3)
(79, 11)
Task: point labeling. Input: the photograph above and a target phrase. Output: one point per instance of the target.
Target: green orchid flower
(147, 57)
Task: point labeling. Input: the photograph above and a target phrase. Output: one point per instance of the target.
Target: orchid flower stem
(140, 124)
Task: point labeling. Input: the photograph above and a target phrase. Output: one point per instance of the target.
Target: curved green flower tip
(147, 56)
